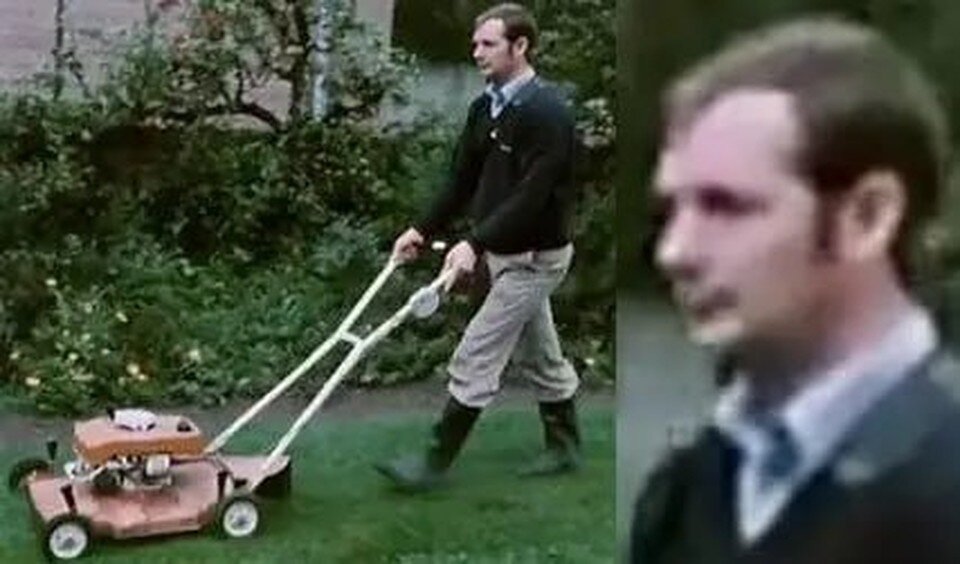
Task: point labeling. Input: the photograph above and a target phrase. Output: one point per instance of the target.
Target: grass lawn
(342, 511)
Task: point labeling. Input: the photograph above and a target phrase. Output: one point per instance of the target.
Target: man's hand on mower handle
(407, 246)
(461, 260)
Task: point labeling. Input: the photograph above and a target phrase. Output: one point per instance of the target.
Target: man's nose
(678, 247)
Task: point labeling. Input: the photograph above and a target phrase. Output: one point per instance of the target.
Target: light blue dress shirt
(803, 434)
(501, 95)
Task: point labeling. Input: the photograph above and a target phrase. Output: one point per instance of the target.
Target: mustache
(703, 301)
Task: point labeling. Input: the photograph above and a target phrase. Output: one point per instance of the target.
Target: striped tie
(783, 456)
(498, 100)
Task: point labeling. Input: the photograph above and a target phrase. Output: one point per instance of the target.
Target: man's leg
(516, 292)
(538, 356)
(425, 471)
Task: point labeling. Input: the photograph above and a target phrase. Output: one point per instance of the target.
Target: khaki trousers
(515, 323)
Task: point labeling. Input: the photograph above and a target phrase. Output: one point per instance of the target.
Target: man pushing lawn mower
(514, 167)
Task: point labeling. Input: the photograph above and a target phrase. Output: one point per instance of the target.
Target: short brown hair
(518, 22)
(861, 103)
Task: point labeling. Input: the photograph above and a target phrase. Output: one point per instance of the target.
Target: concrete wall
(27, 38)
(27, 33)
(444, 89)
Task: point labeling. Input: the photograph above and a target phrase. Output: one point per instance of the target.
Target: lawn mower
(137, 473)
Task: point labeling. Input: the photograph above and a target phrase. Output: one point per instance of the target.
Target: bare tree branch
(257, 111)
(249, 109)
(76, 69)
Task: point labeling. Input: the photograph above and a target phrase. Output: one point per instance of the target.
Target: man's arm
(461, 181)
(545, 156)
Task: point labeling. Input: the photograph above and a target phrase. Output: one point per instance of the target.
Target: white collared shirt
(508, 91)
(818, 417)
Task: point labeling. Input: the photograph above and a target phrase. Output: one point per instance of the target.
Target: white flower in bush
(133, 369)
(31, 381)
(194, 356)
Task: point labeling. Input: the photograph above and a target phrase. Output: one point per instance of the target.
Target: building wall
(444, 90)
(26, 36)
(27, 33)
(27, 39)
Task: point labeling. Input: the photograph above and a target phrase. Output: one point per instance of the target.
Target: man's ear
(871, 215)
(520, 46)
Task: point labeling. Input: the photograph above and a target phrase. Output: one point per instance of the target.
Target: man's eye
(721, 202)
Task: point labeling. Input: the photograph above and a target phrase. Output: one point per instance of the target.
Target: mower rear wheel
(238, 516)
(23, 469)
(66, 537)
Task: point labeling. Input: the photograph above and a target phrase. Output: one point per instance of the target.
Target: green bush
(161, 328)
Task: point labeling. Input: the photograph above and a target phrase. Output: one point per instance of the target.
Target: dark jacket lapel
(877, 471)
(898, 426)
(520, 98)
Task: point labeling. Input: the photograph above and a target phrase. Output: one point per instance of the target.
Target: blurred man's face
(495, 56)
(738, 244)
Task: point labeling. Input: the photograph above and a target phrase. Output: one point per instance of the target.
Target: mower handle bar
(352, 358)
(342, 333)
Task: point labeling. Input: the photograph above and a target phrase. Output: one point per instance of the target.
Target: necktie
(498, 100)
(782, 457)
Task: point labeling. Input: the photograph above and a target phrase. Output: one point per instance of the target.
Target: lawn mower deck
(189, 504)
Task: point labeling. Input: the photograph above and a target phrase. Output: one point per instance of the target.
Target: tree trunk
(58, 54)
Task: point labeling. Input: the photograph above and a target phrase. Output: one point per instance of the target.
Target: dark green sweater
(515, 172)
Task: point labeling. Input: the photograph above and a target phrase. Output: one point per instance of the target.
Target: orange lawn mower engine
(131, 449)
(138, 474)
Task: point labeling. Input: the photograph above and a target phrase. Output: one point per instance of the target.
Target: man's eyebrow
(714, 188)
(700, 188)
(718, 188)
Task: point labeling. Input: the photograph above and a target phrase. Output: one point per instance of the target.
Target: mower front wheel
(23, 469)
(66, 537)
(238, 516)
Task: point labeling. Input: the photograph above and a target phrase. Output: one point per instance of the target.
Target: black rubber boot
(426, 471)
(562, 438)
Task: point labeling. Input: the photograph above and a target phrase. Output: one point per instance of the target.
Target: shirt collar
(821, 414)
(511, 87)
